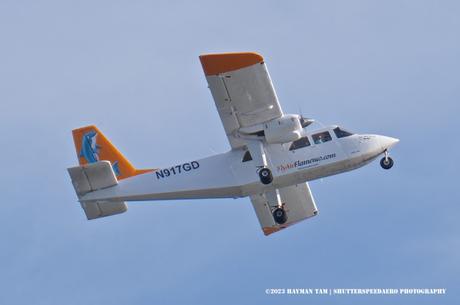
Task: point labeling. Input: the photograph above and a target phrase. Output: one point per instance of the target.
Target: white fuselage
(227, 176)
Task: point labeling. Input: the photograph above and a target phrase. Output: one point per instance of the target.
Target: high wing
(298, 201)
(242, 90)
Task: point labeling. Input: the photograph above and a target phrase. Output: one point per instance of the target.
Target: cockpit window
(340, 133)
(302, 142)
(321, 137)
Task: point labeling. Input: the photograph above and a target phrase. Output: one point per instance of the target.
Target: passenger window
(247, 156)
(321, 137)
(302, 142)
(341, 133)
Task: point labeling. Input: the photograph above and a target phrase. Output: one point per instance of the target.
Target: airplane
(273, 155)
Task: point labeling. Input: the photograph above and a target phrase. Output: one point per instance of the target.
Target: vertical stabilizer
(92, 146)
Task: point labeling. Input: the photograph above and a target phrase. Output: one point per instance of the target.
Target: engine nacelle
(285, 129)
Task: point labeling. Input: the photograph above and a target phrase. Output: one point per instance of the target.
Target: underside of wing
(242, 90)
(298, 203)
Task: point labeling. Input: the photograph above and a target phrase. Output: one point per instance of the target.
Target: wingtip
(270, 230)
(217, 63)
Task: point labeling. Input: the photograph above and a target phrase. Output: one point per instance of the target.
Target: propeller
(304, 122)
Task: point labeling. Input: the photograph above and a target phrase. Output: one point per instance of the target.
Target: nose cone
(387, 142)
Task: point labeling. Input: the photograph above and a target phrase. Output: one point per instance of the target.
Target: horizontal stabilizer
(92, 177)
(98, 209)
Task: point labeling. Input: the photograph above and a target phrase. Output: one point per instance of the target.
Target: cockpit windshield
(341, 133)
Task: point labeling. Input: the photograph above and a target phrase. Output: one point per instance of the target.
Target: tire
(386, 164)
(265, 175)
(280, 216)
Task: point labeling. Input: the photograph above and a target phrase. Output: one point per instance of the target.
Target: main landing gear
(279, 215)
(265, 175)
(259, 159)
(277, 207)
(386, 162)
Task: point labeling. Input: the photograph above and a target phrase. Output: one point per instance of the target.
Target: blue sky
(132, 69)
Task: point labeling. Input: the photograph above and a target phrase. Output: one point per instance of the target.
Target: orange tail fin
(92, 146)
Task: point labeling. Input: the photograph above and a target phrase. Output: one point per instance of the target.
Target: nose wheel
(386, 162)
(265, 175)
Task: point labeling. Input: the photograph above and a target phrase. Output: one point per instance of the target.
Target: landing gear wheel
(386, 163)
(280, 216)
(265, 175)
